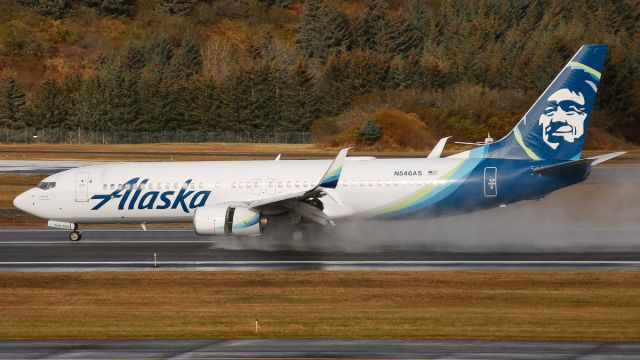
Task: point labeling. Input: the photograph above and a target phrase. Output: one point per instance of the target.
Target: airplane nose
(22, 201)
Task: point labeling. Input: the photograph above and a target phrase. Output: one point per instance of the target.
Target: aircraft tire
(75, 236)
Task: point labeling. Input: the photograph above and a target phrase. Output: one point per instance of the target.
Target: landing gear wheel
(75, 236)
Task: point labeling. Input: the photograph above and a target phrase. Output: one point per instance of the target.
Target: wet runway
(591, 225)
(31, 250)
(317, 349)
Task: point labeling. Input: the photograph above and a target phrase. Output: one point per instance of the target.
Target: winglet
(331, 177)
(278, 157)
(437, 150)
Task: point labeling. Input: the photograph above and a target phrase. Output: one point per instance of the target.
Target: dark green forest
(464, 68)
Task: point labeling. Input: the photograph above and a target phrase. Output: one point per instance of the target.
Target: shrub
(370, 132)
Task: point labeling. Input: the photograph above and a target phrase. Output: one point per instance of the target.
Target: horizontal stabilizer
(563, 168)
(570, 166)
(602, 158)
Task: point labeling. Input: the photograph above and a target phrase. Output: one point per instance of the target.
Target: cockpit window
(46, 185)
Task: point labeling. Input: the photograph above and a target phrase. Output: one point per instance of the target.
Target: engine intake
(224, 219)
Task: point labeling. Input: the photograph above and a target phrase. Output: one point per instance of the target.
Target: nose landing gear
(75, 235)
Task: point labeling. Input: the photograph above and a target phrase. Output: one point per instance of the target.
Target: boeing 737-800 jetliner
(540, 155)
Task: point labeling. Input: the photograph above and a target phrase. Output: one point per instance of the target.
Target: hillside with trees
(326, 66)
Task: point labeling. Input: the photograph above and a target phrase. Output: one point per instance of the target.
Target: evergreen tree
(374, 21)
(54, 8)
(399, 37)
(310, 30)
(370, 132)
(160, 54)
(177, 7)
(115, 7)
(300, 103)
(207, 106)
(188, 61)
(235, 93)
(336, 33)
(281, 3)
(333, 86)
(12, 103)
(50, 106)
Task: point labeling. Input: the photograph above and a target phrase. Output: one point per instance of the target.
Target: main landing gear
(75, 235)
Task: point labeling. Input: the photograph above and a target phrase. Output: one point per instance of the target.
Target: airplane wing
(570, 166)
(302, 201)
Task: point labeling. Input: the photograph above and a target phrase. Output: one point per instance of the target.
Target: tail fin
(556, 125)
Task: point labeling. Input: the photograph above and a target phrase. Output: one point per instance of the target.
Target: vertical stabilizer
(555, 126)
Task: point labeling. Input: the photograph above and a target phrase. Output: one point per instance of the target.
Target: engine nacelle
(223, 219)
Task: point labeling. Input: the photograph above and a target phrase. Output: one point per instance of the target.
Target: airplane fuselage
(368, 188)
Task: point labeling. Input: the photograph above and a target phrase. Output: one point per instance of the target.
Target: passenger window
(363, 183)
(119, 186)
(379, 182)
(388, 182)
(289, 184)
(279, 184)
(104, 186)
(241, 185)
(233, 185)
(297, 183)
(305, 183)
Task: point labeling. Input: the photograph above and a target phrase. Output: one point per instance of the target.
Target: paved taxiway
(317, 349)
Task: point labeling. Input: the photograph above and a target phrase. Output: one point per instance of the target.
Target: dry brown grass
(173, 152)
(482, 305)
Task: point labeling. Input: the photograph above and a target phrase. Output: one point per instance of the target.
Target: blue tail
(555, 126)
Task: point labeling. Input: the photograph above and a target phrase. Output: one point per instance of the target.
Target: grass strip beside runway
(602, 306)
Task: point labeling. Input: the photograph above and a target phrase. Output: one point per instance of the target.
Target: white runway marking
(92, 230)
(108, 242)
(336, 262)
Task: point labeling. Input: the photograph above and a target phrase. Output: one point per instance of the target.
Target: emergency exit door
(82, 187)
(490, 182)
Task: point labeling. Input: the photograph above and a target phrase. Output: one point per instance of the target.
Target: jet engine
(225, 219)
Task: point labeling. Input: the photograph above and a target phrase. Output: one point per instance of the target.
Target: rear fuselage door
(82, 187)
(490, 182)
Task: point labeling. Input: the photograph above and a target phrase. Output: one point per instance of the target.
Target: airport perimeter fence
(34, 136)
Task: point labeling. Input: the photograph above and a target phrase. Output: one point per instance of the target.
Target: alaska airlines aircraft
(540, 155)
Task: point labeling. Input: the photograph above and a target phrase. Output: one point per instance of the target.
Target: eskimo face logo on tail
(131, 197)
(563, 118)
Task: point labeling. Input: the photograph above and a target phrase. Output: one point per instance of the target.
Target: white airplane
(541, 154)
